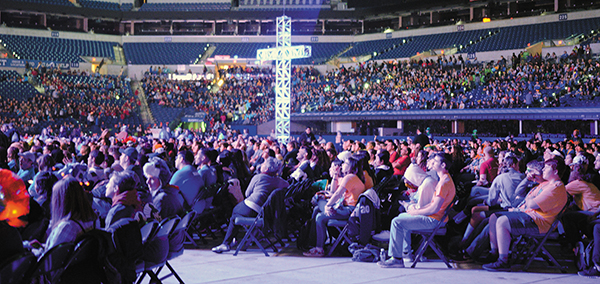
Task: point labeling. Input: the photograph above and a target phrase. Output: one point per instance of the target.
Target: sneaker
(592, 272)
(499, 265)
(411, 256)
(315, 252)
(460, 217)
(221, 248)
(391, 262)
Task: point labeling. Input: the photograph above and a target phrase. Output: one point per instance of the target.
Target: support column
(214, 27)
(85, 24)
(362, 26)
(455, 127)
(323, 27)
(400, 125)
(430, 17)
(399, 22)
(594, 127)
(131, 29)
(43, 20)
(520, 126)
(471, 13)
(259, 27)
(555, 5)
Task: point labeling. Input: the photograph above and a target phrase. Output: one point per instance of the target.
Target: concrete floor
(289, 266)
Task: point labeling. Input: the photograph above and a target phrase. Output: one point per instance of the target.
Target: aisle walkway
(204, 266)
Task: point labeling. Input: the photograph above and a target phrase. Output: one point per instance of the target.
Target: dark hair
(212, 155)
(45, 162)
(44, 182)
(364, 161)
(385, 157)
(577, 172)
(70, 203)
(445, 158)
(97, 156)
(187, 155)
(308, 152)
(355, 166)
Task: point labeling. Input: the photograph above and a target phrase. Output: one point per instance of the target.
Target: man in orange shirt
(426, 217)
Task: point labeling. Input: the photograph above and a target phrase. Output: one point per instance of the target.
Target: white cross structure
(283, 53)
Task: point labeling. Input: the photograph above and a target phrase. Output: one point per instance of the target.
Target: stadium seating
(163, 52)
(185, 7)
(57, 49)
(104, 5)
(50, 2)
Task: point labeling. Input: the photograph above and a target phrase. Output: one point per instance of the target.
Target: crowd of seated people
(88, 99)
(505, 187)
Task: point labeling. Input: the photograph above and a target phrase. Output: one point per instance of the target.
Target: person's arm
(433, 207)
(335, 197)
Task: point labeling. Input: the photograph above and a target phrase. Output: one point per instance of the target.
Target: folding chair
(218, 212)
(271, 214)
(14, 269)
(176, 241)
(160, 246)
(342, 227)
(529, 246)
(428, 239)
(52, 262)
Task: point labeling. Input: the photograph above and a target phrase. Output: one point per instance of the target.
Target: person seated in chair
(535, 215)
(426, 217)
(258, 191)
(342, 202)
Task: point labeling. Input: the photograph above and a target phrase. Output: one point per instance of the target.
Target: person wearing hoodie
(165, 197)
(125, 200)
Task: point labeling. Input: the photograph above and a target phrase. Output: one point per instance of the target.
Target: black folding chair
(176, 241)
(261, 226)
(53, 262)
(429, 241)
(529, 246)
(159, 244)
(14, 269)
(342, 227)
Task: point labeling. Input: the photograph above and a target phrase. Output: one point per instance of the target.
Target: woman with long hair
(341, 204)
(72, 213)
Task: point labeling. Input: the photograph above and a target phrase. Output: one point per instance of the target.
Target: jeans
(401, 228)
(480, 191)
(240, 210)
(322, 219)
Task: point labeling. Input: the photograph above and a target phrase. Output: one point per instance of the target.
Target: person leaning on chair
(426, 217)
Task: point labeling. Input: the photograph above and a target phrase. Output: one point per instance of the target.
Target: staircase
(145, 112)
(209, 51)
(119, 55)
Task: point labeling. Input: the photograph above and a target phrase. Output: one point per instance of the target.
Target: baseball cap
(130, 152)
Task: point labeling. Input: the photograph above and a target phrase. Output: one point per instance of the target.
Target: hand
(328, 211)
(412, 211)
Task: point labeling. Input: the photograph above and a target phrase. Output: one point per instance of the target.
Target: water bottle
(383, 255)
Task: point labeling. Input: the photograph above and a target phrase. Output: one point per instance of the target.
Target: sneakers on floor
(391, 262)
(315, 252)
(499, 265)
(591, 272)
(221, 248)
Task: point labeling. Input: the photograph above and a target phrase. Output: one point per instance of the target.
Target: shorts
(520, 223)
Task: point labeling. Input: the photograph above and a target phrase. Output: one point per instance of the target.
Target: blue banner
(20, 63)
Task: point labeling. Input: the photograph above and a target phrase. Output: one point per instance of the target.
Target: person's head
(157, 173)
(488, 152)
(128, 157)
(510, 162)
(304, 153)
(69, 202)
(96, 158)
(534, 170)
(441, 162)
(120, 182)
(44, 182)
(308, 130)
(45, 163)
(577, 172)
(353, 165)
(597, 162)
(553, 169)
(390, 146)
(383, 158)
(291, 145)
(202, 156)
(270, 166)
(26, 160)
(184, 158)
(421, 159)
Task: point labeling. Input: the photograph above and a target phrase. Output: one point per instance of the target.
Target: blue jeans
(401, 228)
(322, 219)
(479, 191)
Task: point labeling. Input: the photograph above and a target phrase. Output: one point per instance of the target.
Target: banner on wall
(20, 63)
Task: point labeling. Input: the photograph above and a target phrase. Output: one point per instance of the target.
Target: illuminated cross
(283, 53)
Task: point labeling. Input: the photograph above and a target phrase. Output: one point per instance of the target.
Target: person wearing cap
(128, 161)
(165, 197)
(27, 170)
(187, 178)
(258, 191)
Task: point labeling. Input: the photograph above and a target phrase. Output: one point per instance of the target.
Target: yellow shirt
(354, 187)
(551, 197)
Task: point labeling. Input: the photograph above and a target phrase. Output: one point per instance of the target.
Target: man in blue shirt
(27, 171)
(208, 173)
(187, 178)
